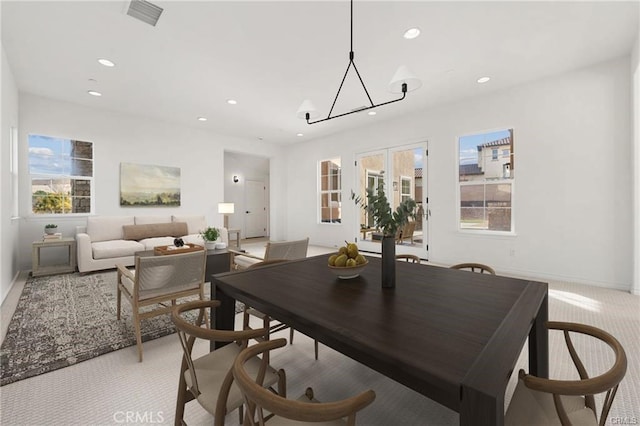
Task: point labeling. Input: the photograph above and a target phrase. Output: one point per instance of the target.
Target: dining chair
(289, 250)
(157, 280)
(262, 404)
(208, 379)
(276, 326)
(409, 258)
(475, 267)
(541, 401)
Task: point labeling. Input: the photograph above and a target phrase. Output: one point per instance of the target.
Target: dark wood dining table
(453, 336)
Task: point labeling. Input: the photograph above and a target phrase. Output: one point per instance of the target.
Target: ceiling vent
(145, 11)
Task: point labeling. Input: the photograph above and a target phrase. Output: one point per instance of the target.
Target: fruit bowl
(347, 272)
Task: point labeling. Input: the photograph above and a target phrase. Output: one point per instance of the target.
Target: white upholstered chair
(159, 279)
(287, 250)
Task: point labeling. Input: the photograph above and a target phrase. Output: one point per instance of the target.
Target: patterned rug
(62, 320)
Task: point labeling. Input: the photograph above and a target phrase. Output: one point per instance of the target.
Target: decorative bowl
(347, 272)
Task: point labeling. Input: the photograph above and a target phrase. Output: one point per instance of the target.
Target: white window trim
(321, 192)
(483, 232)
(31, 176)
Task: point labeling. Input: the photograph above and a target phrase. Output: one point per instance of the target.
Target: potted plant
(210, 235)
(388, 222)
(50, 228)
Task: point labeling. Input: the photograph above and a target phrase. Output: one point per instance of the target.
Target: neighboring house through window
(486, 181)
(61, 172)
(330, 177)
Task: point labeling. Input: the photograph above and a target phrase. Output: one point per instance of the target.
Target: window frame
(510, 180)
(330, 192)
(71, 178)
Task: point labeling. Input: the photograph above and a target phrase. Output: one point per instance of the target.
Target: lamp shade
(307, 107)
(225, 208)
(403, 75)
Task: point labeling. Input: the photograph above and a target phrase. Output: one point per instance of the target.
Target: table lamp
(226, 209)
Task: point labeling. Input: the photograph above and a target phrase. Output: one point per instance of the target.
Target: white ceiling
(270, 56)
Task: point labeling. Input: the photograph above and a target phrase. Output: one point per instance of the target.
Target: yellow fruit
(352, 250)
(332, 259)
(350, 263)
(360, 259)
(343, 250)
(341, 260)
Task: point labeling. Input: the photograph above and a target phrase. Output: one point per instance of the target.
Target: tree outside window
(61, 175)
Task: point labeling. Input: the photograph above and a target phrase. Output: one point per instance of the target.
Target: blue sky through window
(48, 155)
(468, 149)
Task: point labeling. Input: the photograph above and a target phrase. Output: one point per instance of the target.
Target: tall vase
(388, 261)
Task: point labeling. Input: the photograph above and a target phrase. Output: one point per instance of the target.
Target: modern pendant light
(403, 81)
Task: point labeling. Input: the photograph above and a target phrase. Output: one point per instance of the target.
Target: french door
(403, 171)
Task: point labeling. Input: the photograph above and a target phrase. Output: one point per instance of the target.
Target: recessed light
(232, 101)
(202, 118)
(483, 79)
(372, 113)
(300, 134)
(106, 62)
(411, 33)
(94, 93)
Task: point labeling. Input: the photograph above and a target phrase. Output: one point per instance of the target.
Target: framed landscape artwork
(148, 185)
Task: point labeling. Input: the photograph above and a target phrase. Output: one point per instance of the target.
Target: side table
(39, 270)
(237, 232)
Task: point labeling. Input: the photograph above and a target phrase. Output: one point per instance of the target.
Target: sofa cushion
(145, 220)
(140, 232)
(105, 228)
(150, 243)
(193, 239)
(195, 224)
(115, 248)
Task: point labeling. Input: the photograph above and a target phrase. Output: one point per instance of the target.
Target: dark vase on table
(388, 261)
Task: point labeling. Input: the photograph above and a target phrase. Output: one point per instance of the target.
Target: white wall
(121, 138)
(8, 225)
(572, 203)
(635, 111)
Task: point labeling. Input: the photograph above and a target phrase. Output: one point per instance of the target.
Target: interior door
(403, 170)
(255, 218)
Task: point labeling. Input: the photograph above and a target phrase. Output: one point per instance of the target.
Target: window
(13, 148)
(61, 173)
(330, 191)
(405, 188)
(486, 181)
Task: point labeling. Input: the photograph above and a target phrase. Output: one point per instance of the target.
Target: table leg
(224, 316)
(539, 342)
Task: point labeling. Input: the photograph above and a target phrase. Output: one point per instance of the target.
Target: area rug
(62, 320)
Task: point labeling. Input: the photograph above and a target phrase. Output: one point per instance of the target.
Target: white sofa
(108, 240)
